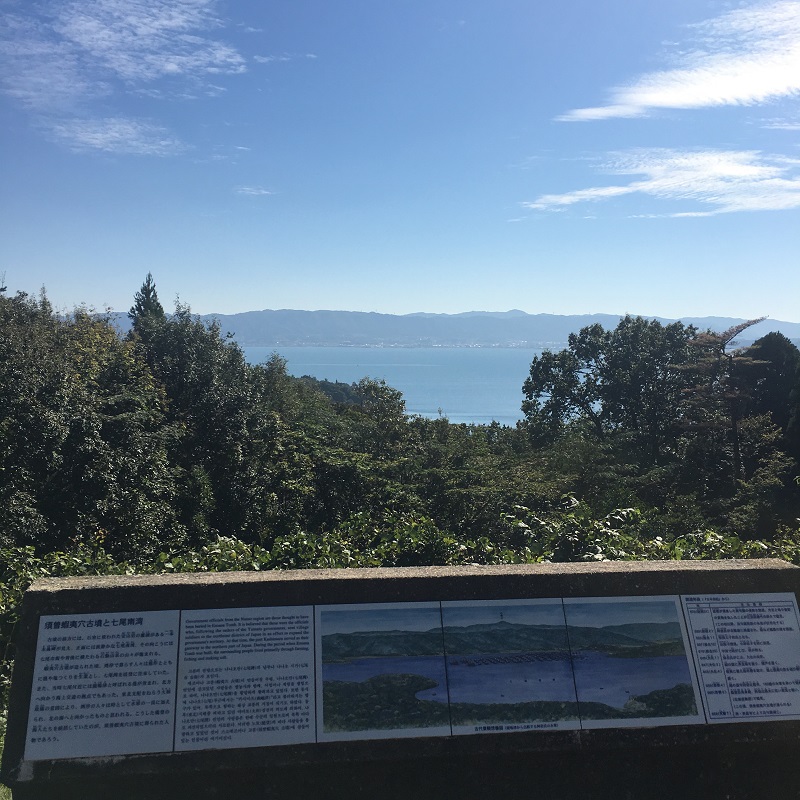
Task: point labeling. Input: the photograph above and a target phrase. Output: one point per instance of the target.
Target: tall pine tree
(146, 303)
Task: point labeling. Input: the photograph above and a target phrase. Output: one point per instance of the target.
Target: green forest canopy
(163, 450)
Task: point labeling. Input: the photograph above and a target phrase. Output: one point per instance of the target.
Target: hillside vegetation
(162, 450)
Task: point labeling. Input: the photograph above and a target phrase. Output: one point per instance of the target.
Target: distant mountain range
(287, 328)
(653, 638)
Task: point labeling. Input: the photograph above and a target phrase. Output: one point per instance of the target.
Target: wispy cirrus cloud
(117, 135)
(743, 57)
(282, 57)
(782, 124)
(42, 71)
(143, 40)
(253, 191)
(713, 181)
(58, 58)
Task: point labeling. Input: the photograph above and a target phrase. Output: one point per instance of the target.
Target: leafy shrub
(572, 533)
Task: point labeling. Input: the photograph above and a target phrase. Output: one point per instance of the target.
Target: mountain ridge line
(514, 328)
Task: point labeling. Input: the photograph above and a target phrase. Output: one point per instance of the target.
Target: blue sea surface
(542, 679)
(522, 682)
(599, 678)
(613, 681)
(467, 384)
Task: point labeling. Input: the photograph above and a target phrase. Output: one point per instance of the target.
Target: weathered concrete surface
(625, 568)
(305, 587)
(755, 760)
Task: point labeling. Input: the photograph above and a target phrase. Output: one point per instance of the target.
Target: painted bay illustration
(630, 662)
(479, 666)
(508, 666)
(484, 666)
(383, 670)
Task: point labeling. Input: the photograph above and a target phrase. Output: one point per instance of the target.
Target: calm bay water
(487, 683)
(506, 681)
(601, 678)
(467, 384)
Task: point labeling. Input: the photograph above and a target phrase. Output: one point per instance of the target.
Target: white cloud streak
(782, 125)
(282, 57)
(271, 59)
(143, 40)
(744, 57)
(253, 191)
(41, 71)
(117, 135)
(718, 181)
(61, 57)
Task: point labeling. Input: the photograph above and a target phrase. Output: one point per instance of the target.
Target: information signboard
(246, 678)
(747, 650)
(170, 681)
(103, 685)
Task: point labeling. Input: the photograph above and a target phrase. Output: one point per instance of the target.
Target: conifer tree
(146, 302)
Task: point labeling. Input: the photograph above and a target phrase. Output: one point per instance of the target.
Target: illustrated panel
(381, 672)
(508, 666)
(632, 662)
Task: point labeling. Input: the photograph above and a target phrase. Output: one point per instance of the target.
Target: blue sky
(616, 611)
(381, 617)
(487, 612)
(424, 155)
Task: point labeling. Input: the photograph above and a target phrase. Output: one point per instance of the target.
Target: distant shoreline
(474, 330)
(519, 346)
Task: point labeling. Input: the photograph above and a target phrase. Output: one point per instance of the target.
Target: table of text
(747, 651)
